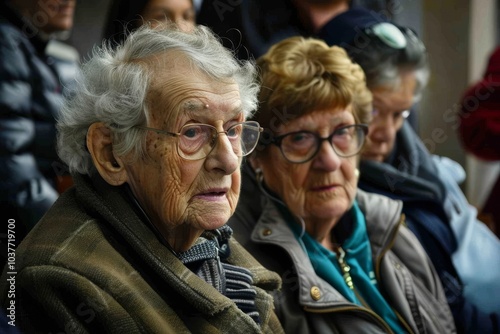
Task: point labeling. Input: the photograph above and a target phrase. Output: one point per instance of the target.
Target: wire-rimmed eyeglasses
(196, 141)
(302, 146)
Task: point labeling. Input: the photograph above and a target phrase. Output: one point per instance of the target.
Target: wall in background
(483, 37)
(445, 27)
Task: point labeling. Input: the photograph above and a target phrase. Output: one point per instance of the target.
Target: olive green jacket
(92, 266)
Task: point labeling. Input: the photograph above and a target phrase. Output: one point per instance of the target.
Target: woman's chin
(333, 212)
(212, 222)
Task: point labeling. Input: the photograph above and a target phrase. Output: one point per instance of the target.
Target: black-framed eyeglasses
(302, 146)
(196, 141)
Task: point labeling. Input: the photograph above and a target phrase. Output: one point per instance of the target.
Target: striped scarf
(207, 259)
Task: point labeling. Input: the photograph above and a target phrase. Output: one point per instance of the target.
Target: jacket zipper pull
(345, 268)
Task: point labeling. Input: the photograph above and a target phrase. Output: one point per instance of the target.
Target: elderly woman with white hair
(154, 136)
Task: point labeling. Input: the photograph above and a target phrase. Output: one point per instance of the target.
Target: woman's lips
(325, 188)
(212, 194)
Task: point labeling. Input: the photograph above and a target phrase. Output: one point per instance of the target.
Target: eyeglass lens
(302, 146)
(196, 141)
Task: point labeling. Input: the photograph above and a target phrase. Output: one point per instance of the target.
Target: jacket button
(315, 293)
(267, 232)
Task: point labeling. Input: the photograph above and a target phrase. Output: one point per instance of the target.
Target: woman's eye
(299, 141)
(342, 131)
(343, 136)
(234, 131)
(299, 137)
(192, 132)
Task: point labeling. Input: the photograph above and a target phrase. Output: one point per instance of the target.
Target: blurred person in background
(126, 16)
(396, 163)
(479, 131)
(32, 84)
(251, 27)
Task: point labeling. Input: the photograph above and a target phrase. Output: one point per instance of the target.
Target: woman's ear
(100, 146)
(254, 162)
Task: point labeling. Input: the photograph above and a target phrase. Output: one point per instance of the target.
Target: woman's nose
(222, 156)
(183, 24)
(327, 159)
(382, 129)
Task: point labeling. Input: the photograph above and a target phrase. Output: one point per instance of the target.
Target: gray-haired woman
(396, 163)
(154, 136)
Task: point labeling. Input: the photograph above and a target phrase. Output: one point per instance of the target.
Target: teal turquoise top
(358, 256)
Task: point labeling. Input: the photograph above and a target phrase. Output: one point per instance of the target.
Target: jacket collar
(382, 224)
(409, 172)
(383, 218)
(272, 229)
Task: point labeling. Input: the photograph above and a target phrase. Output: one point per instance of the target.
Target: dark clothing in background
(122, 18)
(252, 26)
(411, 174)
(31, 94)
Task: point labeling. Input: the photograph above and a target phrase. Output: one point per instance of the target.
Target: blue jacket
(464, 252)
(30, 97)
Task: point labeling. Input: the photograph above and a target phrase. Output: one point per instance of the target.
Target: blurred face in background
(180, 12)
(391, 106)
(48, 15)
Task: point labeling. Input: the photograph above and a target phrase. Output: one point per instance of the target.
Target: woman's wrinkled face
(389, 105)
(180, 12)
(183, 198)
(322, 188)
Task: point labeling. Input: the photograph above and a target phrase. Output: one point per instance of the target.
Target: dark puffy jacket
(30, 97)
(445, 225)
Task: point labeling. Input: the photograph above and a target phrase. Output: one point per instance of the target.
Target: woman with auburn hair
(347, 261)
